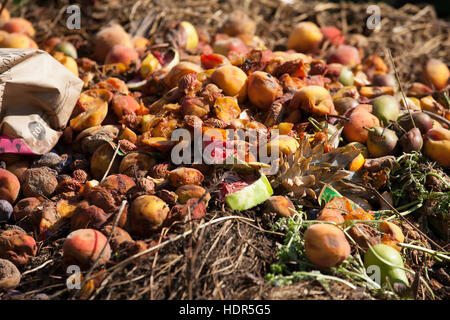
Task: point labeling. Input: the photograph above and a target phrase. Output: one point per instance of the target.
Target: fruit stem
(400, 86)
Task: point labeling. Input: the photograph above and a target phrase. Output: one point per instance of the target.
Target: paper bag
(37, 97)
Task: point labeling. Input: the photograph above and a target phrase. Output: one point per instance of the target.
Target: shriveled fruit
(179, 71)
(17, 247)
(147, 214)
(136, 162)
(183, 176)
(124, 104)
(326, 245)
(83, 247)
(38, 182)
(9, 275)
(191, 191)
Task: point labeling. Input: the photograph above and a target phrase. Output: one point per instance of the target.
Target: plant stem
(430, 251)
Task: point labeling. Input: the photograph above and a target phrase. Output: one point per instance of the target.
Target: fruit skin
(118, 182)
(182, 176)
(17, 247)
(313, 99)
(107, 38)
(122, 54)
(357, 163)
(141, 162)
(147, 214)
(437, 146)
(436, 73)
(381, 141)
(331, 215)
(263, 89)
(100, 161)
(305, 37)
(118, 238)
(390, 255)
(411, 141)
(281, 206)
(359, 118)
(38, 182)
(9, 186)
(386, 108)
(326, 245)
(232, 80)
(18, 41)
(6, 210)
(67, 48)
(83, 246)
(191, 35)
(238, 23)
(345, 55)
(19, 25)
(5, 16)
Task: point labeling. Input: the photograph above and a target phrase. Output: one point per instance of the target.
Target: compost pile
(356, 121)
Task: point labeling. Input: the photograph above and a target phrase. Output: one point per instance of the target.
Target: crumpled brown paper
(37, 97)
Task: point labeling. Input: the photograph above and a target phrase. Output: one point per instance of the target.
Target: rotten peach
(313, 99)
(107, 38)
(305, 37)
(232, 80)
(354, 129)
(228, 47)
(17, 247)
(83, 247)
(178, 71)
(436, 73)
(280, 205)
(19, 25)
(326, 245)
(263, 89)
(147, 214)
(18, 41)
(9, 186)
(182, 176)
(67, 62)
(122, 54)
(124, 104)
(118, 182)
(136, 163)
(437, 146)
(345, 55)
(38, 182)
(191, 191)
